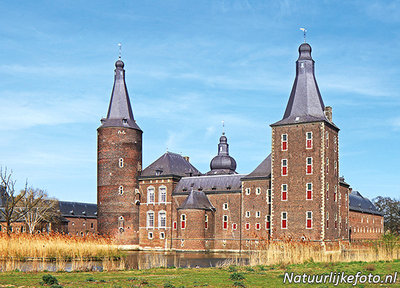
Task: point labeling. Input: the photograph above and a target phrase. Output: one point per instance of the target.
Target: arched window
(121, 190)
(150, 194)
(162, 191)
(150, 219)
(162, 219)
(121, 162)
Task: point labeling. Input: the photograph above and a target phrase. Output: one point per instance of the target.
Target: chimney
(186, 158)
(328, 113)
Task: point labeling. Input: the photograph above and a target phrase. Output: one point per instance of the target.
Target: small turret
(222, 163)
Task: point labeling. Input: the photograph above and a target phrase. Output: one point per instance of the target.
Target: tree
(39, 208)
(391, 212)
(10, 210)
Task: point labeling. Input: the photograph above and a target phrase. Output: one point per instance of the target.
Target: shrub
(49, 279)
(232, 268)
(236, 276)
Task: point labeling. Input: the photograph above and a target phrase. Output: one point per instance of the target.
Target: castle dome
(223, 163)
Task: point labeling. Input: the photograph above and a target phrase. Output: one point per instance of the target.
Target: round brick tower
(119, 163)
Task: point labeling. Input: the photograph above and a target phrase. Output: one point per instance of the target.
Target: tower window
(150, 195)
(162, 194)
(150, 219)
(121, 190)
(284, 167)
(247, 226)
(284, 142)
(309, 140)
(225, 222)
(268, 222)
(206, 221)
(335, 143)
(175, 225)
(309, 191)
(309, 219)
(183, 221)
(335, 194)
(258, 226)
(269, 196)
(327, 165)
(234, 226)
(335, 221)
(327, 139)
(121, 162)
(327, 191)
(327, 220)
(162, 219)
(284, 220)
(284, 192)
(309, 166)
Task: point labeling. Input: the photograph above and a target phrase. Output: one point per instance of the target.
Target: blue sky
(189, 65)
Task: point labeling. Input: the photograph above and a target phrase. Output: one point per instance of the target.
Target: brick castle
(295, 193)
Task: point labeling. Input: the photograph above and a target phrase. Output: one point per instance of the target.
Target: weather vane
(223, 127)
(304, 33)
(120, 50)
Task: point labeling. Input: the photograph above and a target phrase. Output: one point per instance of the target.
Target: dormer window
(158, 172)
(124, 121)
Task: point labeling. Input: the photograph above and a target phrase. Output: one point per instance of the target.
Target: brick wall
(117, 213)
(365, 226)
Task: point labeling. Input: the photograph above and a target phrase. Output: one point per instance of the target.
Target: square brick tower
(305, 163)
(119, 162)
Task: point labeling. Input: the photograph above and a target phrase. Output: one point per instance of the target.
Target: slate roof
(305, 102)
(120, 110)
(210, 184)
(78, 209)
(262, 171)
(222, 163)
(197, 200)
(359, 203)
(170, 164)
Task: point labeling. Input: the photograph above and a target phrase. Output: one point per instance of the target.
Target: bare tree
(39, 208)
(10, 210)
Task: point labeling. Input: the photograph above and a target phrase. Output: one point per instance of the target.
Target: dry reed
(291, 252)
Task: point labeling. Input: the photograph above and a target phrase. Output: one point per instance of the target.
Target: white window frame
(223, 221)
(258, 214)
(234, 226)
(268, 220)
(121, 190)
(327, 139)
(247, 191)
(284, 165)
(259, 226)
(206, 221)
(284, 218)
(225, 206)
(309, 139)
(284, 190)
(269, 196)
(258, 191)
(148, 219)
(162, 193)
(308, 158)
(312, 192)
(151, 191)
(327, 165)
(183, 220)
(150, 235)
(121, 162)
(248, 214)
(247, 226)
(160, 214)
(309, 218)
(162, 235)
(335, 143)
(282, 136)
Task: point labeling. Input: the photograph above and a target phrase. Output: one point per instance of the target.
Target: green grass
(258, 276)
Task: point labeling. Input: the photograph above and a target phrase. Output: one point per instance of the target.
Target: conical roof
(197, 200)
(305, 102)
(120, 110)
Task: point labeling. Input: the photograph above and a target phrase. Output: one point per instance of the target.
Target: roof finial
(120, 50)
(304, 33)
(223, 127)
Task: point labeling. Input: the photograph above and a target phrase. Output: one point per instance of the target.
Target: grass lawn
(259, 276)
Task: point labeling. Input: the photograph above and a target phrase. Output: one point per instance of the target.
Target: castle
(295, 193)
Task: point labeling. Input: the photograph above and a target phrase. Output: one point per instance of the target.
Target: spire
(305, 102)
(120, 110)
(222, 163)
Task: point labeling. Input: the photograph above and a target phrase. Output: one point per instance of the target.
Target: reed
(291, 252)
(55, 247)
